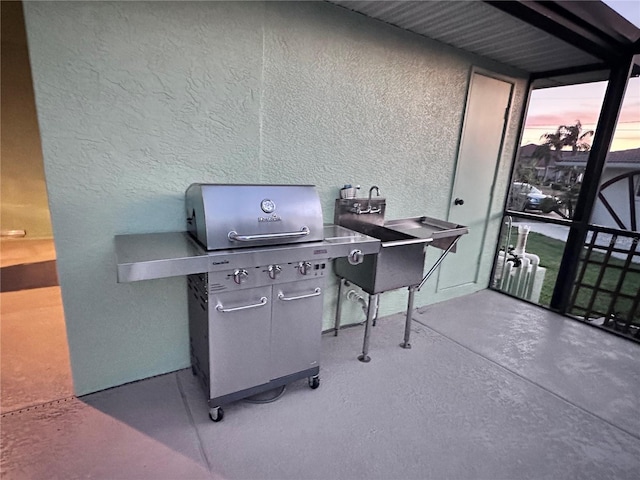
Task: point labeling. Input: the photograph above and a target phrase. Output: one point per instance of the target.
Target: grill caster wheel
(314, 382)
(216, 414)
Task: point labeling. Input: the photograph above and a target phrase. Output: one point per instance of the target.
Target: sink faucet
(375, 187)
(357, 207)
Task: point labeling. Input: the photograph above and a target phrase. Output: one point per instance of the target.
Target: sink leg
(371, 311)
(407, 325)
(339, 307)
(375, 313)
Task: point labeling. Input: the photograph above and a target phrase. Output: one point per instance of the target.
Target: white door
(486, 114)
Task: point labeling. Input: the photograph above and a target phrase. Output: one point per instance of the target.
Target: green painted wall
(138, 100)
(23, 194)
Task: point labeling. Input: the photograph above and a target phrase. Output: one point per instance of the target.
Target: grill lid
(223, 216)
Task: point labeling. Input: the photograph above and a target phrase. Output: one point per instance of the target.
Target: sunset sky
(552, 107)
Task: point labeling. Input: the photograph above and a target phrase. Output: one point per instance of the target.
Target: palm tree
(565, 136)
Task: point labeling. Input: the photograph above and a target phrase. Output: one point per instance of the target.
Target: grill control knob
(240, 275)
(355, 257)
(304, 267)
(274, 270)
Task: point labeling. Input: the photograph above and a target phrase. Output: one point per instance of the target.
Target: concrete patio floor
(34, 354)
(492, 389)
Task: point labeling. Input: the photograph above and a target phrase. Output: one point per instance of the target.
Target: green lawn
(550, 252)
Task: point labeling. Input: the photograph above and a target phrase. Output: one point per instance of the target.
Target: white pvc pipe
(523, 233)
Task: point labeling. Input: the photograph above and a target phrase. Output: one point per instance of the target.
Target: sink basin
(384, 234)
(398, 264)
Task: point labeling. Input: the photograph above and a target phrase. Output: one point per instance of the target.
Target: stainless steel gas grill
(256, 258)
(228, 216)
(400, 262)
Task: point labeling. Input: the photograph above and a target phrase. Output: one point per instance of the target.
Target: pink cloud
(629, 113)
(561, 118)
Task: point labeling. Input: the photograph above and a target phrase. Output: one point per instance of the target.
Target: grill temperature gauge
(268, 206)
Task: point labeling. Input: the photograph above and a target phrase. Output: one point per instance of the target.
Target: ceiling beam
(557, 20)
(570, 71)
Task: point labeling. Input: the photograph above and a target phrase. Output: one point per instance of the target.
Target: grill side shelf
(158, 255)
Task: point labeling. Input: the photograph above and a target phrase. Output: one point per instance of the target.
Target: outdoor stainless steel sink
(400, 261)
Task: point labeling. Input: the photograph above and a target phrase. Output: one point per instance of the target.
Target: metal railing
(606, 291)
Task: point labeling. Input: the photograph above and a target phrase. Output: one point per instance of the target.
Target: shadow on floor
(27, 276)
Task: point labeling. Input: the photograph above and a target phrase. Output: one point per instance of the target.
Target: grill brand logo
(272, 218)
(268, 206)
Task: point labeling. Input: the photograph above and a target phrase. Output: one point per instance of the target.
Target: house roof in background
(531, 36)
(618, 158)
(527, 150)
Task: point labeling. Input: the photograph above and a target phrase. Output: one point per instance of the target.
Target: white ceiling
(479, 28)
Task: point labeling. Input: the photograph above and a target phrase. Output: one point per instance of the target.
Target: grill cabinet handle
(315, 293)
(220, 308)
(235, 236)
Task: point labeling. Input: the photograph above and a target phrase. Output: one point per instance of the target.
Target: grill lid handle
(235, 237)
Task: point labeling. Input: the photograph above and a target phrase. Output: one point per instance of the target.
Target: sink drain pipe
(356, 297)
(353, 296)
(370, 309)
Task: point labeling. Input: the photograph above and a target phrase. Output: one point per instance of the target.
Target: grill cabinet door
(296, 327)
(239, 340)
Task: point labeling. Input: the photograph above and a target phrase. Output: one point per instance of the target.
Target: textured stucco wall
(137, 100)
